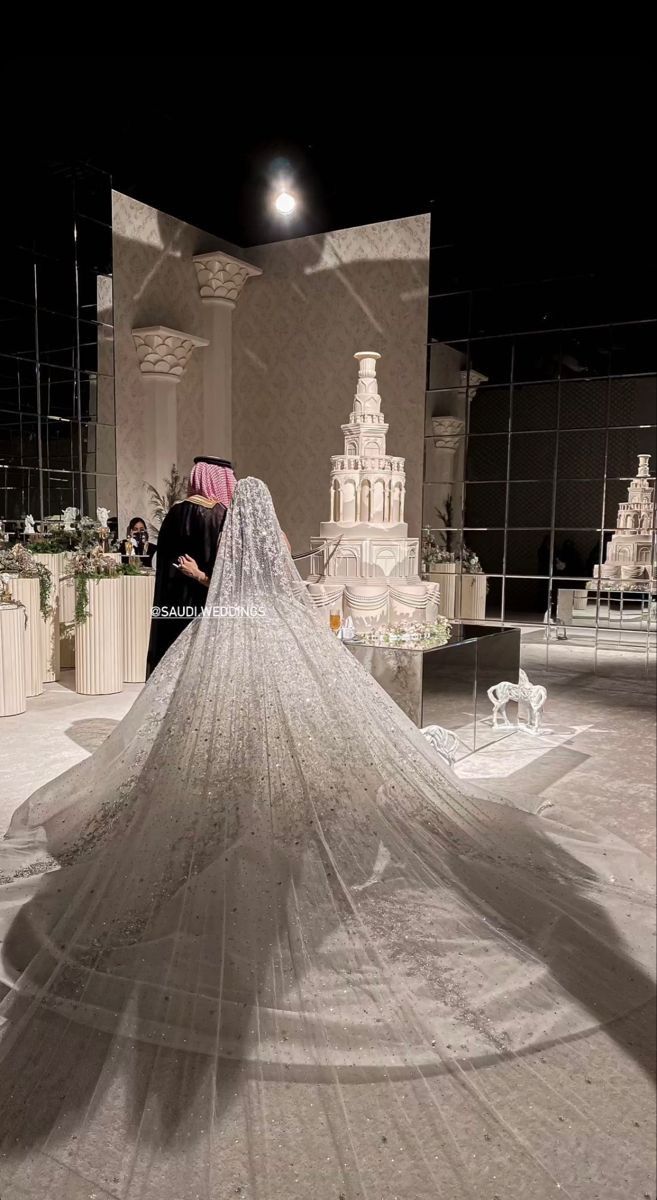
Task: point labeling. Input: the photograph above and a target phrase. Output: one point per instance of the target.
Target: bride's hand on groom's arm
(189, 567)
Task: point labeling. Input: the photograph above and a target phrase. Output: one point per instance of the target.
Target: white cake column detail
(221, 279)
(163, 355)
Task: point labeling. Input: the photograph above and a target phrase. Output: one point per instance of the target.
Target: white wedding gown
(264, 944)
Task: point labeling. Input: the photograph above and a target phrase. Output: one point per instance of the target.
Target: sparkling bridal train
(264, 944)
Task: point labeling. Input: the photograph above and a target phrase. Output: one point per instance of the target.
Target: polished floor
(593, 762)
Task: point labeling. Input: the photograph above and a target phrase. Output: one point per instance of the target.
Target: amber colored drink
(336, 622)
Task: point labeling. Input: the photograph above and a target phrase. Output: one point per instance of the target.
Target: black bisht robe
(192, 527)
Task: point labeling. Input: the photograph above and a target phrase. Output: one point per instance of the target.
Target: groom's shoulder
(202, 501)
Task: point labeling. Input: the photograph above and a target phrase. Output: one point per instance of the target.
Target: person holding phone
(136, 543)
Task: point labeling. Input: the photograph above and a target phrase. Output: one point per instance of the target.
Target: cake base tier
(373, 603)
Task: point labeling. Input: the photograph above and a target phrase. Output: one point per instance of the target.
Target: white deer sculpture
(532, 695)
(444, 742)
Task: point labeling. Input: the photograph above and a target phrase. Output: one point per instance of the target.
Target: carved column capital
(221, 277)
(164, 353)
(447, 432)
(470, 382)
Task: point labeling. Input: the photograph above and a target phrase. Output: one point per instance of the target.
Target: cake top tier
(367, 401)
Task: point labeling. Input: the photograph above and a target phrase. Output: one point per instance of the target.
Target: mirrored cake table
(447, 684)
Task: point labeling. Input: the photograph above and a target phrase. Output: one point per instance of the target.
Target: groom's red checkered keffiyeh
(213, 480)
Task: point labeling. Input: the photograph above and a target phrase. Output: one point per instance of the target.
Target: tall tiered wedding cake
(364, 561)
(631, 551)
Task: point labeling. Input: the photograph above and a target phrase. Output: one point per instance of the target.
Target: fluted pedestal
(473, 597)
(445, 575)
(12, 660)
(462, 594)
(50, 624)
(26, 591)
(137, 604)
(99, 640)
(66, 616)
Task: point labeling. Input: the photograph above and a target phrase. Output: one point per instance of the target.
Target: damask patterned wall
(154, 284)
(295, 331)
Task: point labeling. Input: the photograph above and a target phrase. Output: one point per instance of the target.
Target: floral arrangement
(413, 633)
(438, 547)
(54, 541)
(94, 564)
(175, 489)
(19, 561)
(70, 531)
(433, 552)
(470, 561)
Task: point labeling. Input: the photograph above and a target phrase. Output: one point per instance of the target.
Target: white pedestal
(99, 640)
(12, 660)
(565, 597)
(445, 576)
(462, 595)
(66, 615)
(473, 598)
(26, 591)
(50, 625)
(137, 604)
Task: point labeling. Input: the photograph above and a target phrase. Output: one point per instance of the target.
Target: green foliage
(95, 565)
(54, 542)
(18, 561)
(174, 489)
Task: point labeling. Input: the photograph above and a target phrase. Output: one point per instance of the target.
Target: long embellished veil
(264, 944)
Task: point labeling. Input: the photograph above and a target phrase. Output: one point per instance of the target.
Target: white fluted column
(50, 624)
(66, 615)
(221, 278)
(163, 355)
(99, 640)
(12, 660)
(26, 592)
(137, 604)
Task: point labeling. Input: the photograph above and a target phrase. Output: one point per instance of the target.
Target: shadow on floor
(90, 733)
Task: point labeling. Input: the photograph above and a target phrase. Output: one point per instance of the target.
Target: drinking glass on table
(335, 618)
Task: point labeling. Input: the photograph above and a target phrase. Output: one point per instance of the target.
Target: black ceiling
(550, 156)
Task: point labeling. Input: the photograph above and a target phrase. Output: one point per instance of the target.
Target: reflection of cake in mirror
(631, 551)
(364, 560)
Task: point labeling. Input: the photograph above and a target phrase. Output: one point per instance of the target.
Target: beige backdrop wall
(295, 330)
(154, 284)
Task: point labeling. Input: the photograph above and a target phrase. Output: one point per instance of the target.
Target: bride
(263, 944)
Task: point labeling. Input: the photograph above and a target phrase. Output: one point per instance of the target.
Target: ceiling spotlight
(285, 203)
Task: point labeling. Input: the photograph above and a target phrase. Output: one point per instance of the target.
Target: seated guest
(137, 544)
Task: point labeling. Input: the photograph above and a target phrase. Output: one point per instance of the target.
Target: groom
(186, 549)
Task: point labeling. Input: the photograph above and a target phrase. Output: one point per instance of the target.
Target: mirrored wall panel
(539, 480)
(57, 422)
